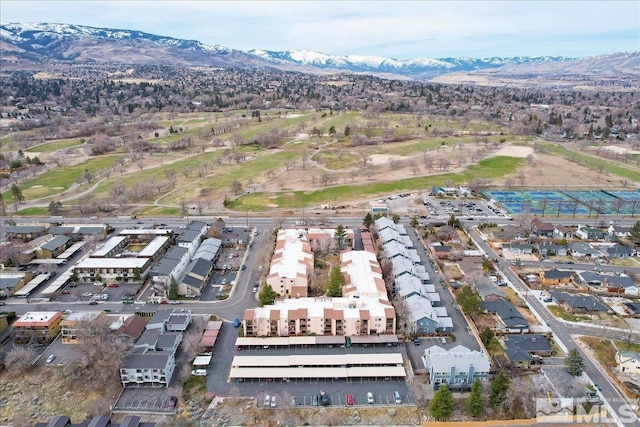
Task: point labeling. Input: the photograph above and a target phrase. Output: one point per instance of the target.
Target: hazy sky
(397, 29)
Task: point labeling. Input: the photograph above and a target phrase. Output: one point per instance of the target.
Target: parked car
(267, 400)
(236, 322)
(51, 358)
(324, 399)
(349, 399)
(370, 400)
(314, 400)
(416, 341)
(199, 372)
(93, 303)
(273, 401)
(398, 398)
(443, 340)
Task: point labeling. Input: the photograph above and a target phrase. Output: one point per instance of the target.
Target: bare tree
(18, 360)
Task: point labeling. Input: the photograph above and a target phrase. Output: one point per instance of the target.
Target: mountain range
(40, 43)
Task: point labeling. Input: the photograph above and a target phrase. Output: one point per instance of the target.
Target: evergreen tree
(340, 234)
(336, 280)
(368, 220)
(173, 289)
(634, 232)
(17, 193)
(574, 362)
(475, 402)
(442, 404)
(486, 336)
(498, 390)
(267, 296)
(469, 301)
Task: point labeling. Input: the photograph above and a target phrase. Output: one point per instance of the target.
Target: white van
(397, 396)
(199, 372)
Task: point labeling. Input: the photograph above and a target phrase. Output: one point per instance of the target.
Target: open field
(225, 166)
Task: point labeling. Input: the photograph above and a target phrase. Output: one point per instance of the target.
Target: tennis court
(569, 202)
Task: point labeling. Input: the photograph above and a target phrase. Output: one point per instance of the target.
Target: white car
(51, 358)
(267, 400)
(199, 372)
(273, 401)
(370, 398)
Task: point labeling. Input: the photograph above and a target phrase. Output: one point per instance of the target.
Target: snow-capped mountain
(38, 43)
(410, 67)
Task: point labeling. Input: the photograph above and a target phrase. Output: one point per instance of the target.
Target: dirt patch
(383, 159)
(515, 151)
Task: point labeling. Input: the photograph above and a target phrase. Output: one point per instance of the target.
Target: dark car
(93, 303)
(324, 399)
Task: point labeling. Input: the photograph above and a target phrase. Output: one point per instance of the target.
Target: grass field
(55, 146)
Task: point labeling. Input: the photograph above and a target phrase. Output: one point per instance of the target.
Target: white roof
(142, 231)
(460, 357)
(29, 287)
(60, 281)
(108, 246)
(202, 361)
(153, 246)
(358, 266)
(289, 264)
(316, 306)
(112, 263)
(71, 250)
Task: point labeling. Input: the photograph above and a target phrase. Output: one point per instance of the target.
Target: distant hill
(40, 44)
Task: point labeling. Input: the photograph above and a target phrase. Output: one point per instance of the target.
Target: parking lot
(91, 292)
(301, 392)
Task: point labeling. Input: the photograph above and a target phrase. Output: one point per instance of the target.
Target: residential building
(516, 249)
(321, 316)
(584, 249)
(531, 344)
(128, 329)
(440, 251)
(291, 264)
(24, 232)
(542, 229)
(619, 251)
(151, 362)
(53, 247)
(11, 282)
(563, 232)
(590, 233)
(547, 249)
(628, 361)
(195, 277)
(488, 290)
(76, 323)
(556, 277)
(172, 265)
(457, 368)
(37, 328)
(97, 421)
(632, 309)
(424, 318)
(510, 319)
(578, 303)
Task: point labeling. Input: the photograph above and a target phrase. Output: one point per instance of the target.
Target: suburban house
(628, 361)
(408, 285)
(291, 264)
(622, 284)
(440, 251)
(590, 233)
(542, 229)
(189, 237)
(457, 368)
(516, 249)
(584, 249)
(619, 230)
(555, 277)
(37, 328)
(488, 290)
(578, 303)
(128, 329)
(563, 232)
(510, 319)
(547, 249)
(519, 349)
(447, 233)
(619, 251)
(632, 309)
(402, 266)
(76, 323)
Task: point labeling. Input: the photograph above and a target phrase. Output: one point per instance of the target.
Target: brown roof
(133, 327)
(364, 314)
(248, 314)
(274, 314)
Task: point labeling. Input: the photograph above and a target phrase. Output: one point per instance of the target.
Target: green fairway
(48, 147)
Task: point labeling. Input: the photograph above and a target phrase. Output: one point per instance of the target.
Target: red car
(164, 301)
(349, 399)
